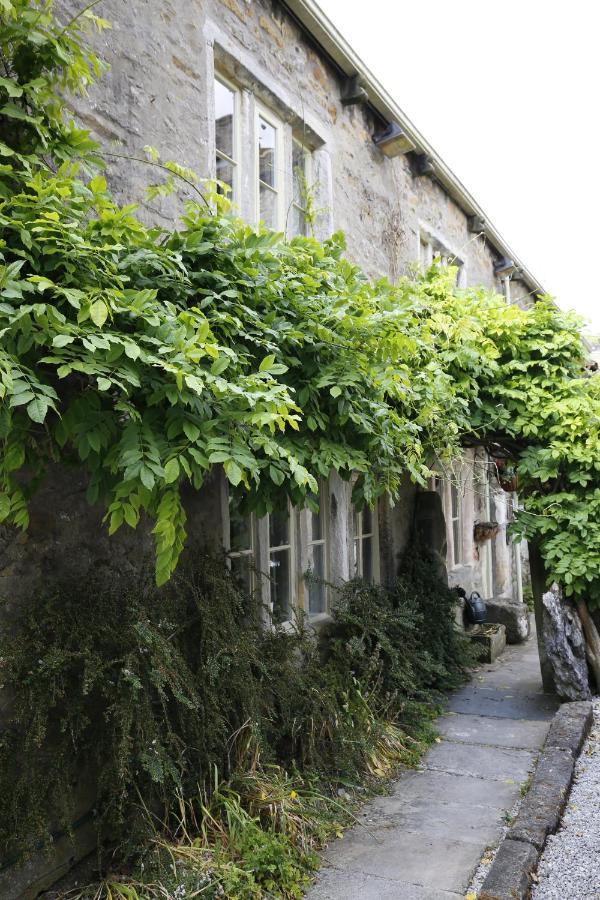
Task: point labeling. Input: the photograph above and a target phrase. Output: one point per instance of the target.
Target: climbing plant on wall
(149, 356)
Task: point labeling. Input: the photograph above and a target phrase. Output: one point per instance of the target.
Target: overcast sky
(508, 94)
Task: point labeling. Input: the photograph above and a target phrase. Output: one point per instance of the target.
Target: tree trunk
(592, 640)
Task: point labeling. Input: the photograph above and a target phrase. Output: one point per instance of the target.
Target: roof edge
(312, 18)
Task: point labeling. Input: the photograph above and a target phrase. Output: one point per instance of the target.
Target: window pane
(279, 528)
(266, 152)
(268, 206)
(355, 559)
(224, 110)
(316, 586)
(298, 223)
(280, 584)
(241, 567)
(299, 155)
(367, 520)
(317, 530)
(426, 254)
(456, 538)
(225, 172)
(240, 531)
(455, 500)
(367, 559)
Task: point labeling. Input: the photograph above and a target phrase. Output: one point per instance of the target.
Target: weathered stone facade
(159, 91)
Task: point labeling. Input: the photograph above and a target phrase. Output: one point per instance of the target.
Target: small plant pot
(485, 531)
(509, 483)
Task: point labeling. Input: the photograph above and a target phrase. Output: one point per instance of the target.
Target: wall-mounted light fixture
(392, 141)
(424, 164)
(476, 224)
(504, 266)
(353, 91)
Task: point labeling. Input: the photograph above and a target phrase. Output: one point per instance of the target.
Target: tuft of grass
(524, 786)
(254, 837)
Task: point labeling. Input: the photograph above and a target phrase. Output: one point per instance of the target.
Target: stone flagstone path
(424, 840)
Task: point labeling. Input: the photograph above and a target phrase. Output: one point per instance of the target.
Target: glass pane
(268, 206)
(279, 528)
(355, 559)
(279, 564)
(225, 172)
(316, 586)
(297, 222)
(367, 559)
(240, 529)
(299, 173)
(317, 531)
(241, 567)
(266, 152)
(456, 538)
(455, 501)
(224, 110)
(367, 520)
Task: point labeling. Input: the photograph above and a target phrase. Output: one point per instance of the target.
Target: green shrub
(141, 688)
(149, 692)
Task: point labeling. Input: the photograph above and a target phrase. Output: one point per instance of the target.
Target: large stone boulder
(513, 615)
(564, 644)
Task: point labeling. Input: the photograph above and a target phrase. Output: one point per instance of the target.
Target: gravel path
(570, 864)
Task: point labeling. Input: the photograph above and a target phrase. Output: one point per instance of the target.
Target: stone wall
(67, 538)
(159, 92)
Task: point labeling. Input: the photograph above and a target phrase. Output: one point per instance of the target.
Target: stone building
(268, 97)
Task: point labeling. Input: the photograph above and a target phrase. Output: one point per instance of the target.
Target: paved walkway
(424, 841)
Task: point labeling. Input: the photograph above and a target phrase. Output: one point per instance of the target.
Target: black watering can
(475, 608)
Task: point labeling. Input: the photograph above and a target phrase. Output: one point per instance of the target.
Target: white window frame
(250, 552)
(235, 195)
(261, 112)
(485, 550)
(307, 175)
(358, 535)
(426, 254)
(431, 247)
(457, 537)
(291, 547)
(444, 487)
(324, 542)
